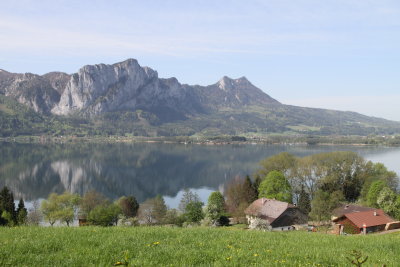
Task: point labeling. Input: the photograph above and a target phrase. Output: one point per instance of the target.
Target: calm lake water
(33, 171)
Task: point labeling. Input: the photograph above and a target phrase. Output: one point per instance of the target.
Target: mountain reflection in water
(33, 171)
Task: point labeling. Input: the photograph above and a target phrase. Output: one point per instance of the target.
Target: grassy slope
(32, 246)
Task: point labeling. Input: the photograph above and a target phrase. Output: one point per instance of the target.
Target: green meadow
(164, 246)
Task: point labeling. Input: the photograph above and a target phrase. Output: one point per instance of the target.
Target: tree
(249, 193)
(283, 162)
(344, 170)
(129, 206)
(160, 209)
(60, 207)
(194, 212)
(105, 214)
(215, 206)
(34, 215)
(153, 210)
(323, 204)
(172, 216)
(21, 212)
(215, 210)
(388, 202)
(378, 172)
(49, 208)
(90, 200)
(256, 184)
(239, 193)
(304, 203)
(7, 207)
(373, 193)
(187, 197)
(275, 186)
(67, 205)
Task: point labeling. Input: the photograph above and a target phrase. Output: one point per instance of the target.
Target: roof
(367, 217)
(268, 209)
(348, 208)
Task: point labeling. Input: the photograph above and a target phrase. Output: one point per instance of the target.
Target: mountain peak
(227, 83)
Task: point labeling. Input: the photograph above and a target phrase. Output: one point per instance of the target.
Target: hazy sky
(342, 54)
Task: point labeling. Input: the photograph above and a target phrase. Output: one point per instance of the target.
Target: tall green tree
(187, 197)
(304, 203)
(7, 207)
(276, 186)
(160, 208)
(249, 192)
(373, 193)
(22, 212)
(378, 172)
(388, 201)
(215, 206)
(324, 203)
(194, 212)
(129, 206)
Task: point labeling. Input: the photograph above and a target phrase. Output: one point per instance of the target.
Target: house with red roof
(277, 214)
(368, 221)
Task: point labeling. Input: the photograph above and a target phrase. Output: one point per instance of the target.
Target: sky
(336, 54)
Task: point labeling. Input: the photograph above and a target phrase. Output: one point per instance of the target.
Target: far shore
(392, 141)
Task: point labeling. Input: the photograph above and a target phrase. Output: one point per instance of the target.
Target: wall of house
(257, 223)
(349, 225)
(289, 217)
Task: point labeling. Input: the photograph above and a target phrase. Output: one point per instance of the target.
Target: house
(363, 222)
(278, 215)
(348, 208)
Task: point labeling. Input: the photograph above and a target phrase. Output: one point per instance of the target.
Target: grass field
(163, 246)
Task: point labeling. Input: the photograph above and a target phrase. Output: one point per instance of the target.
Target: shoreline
(208, 141)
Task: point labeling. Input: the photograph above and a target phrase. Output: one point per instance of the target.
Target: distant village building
(280, 216)
(373, 220)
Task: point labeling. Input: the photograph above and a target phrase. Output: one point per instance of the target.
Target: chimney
(264, 200)
(375, 213)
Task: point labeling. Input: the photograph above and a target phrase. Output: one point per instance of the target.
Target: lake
(33, 171)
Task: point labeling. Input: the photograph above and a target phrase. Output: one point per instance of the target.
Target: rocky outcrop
(30, 89)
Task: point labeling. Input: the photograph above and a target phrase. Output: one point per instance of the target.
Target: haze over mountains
(125, 98)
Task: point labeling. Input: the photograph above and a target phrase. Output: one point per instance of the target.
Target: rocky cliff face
(96, 89)
(30, 89)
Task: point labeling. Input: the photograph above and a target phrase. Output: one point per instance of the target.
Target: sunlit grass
(162, 246)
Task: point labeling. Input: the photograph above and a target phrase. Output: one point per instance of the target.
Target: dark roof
(348, 208)
(268, 209)
(367, 217)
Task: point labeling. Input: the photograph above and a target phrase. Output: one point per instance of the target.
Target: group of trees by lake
(319, 183)
(93, 208)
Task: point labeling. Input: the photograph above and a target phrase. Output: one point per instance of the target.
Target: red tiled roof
(368, 218)
(268, 209)
(349, 208)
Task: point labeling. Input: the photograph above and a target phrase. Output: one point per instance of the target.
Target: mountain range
(127, 99)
